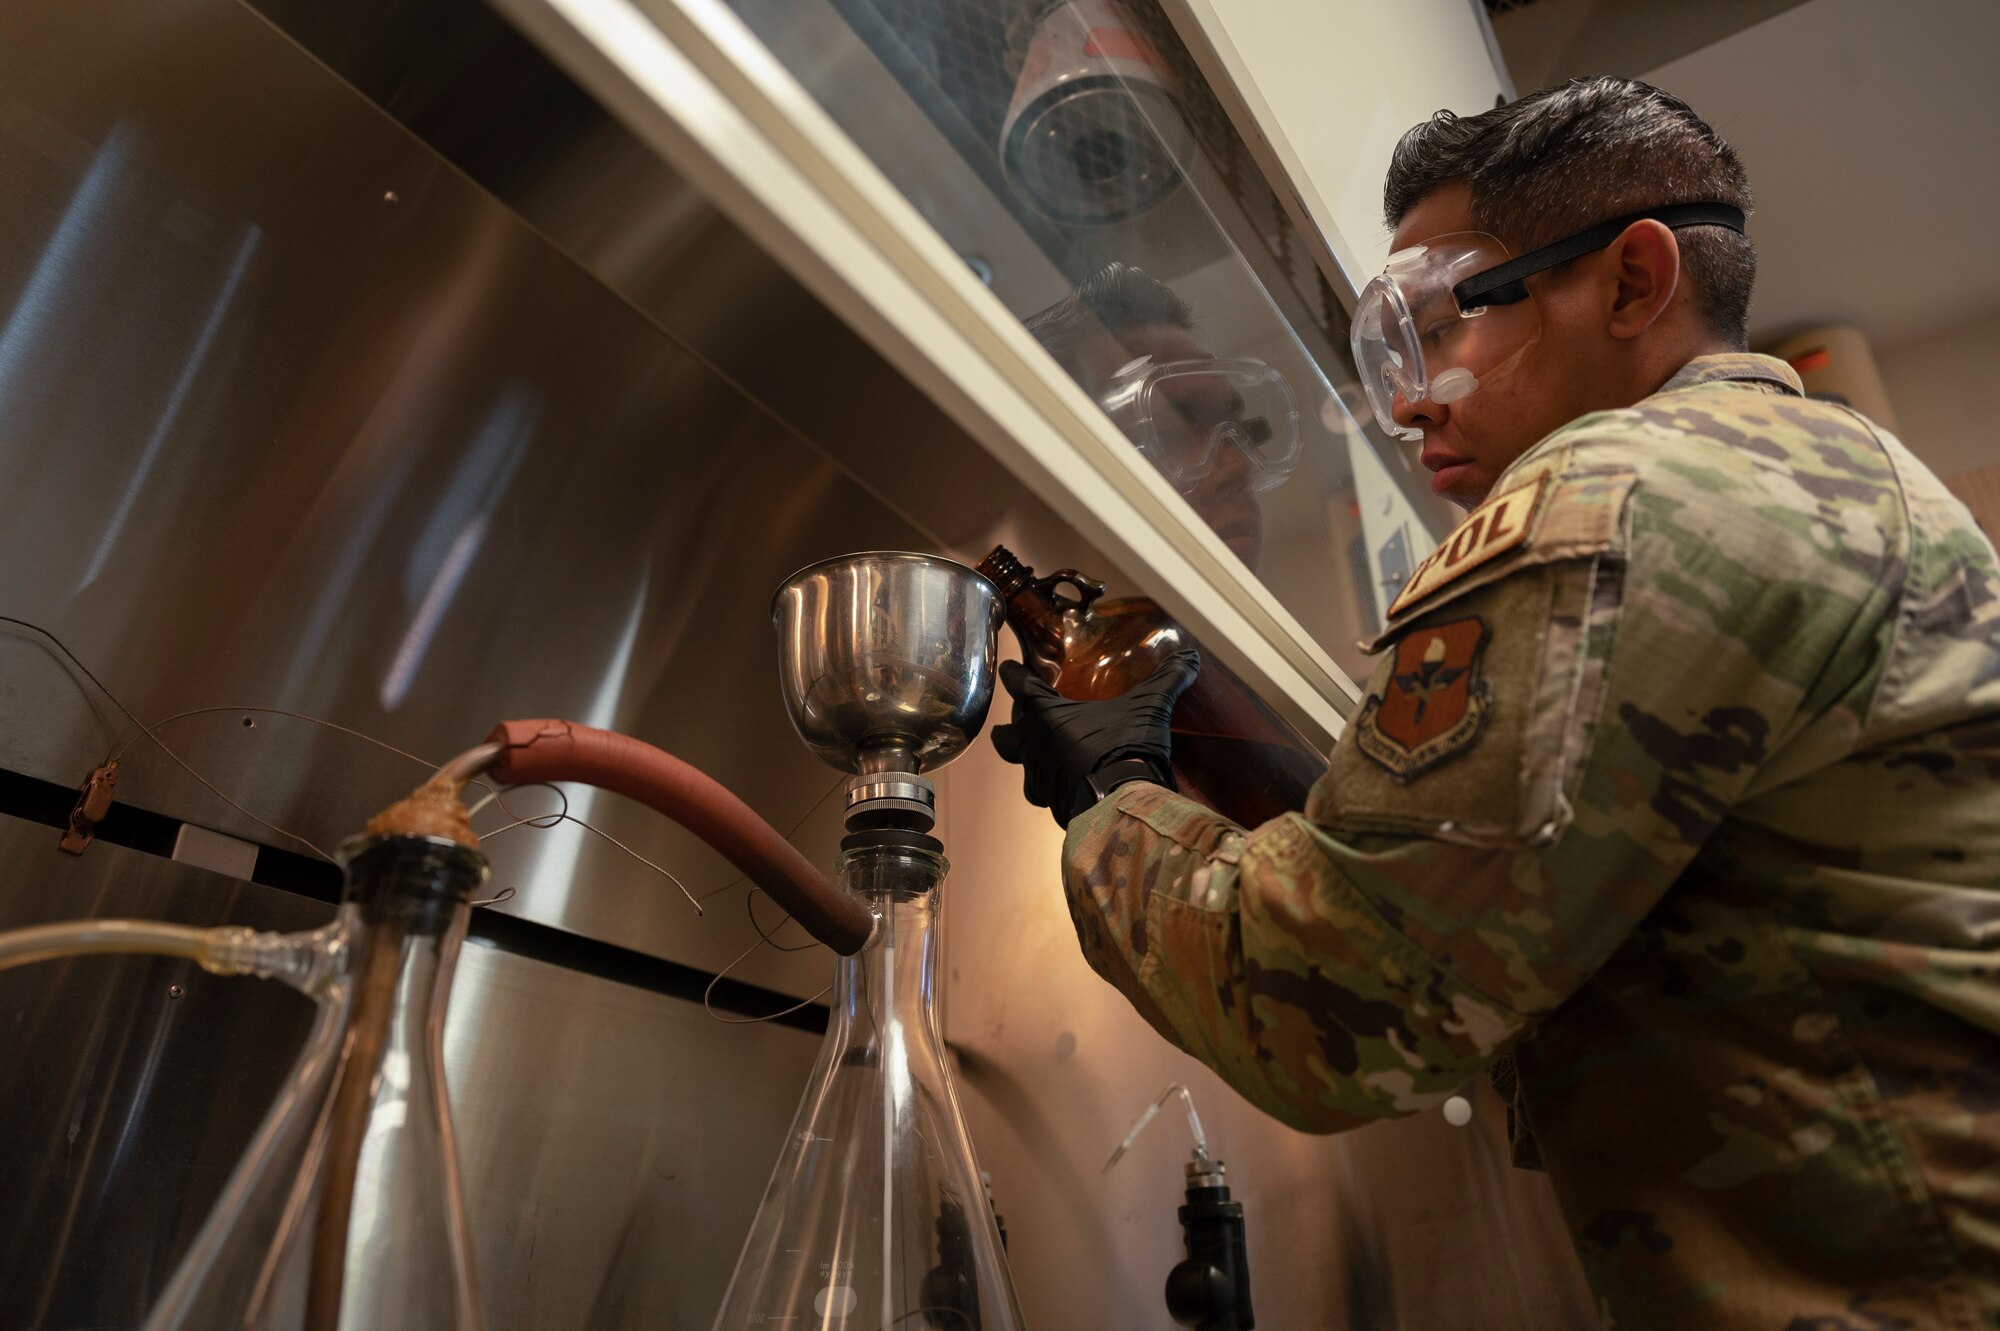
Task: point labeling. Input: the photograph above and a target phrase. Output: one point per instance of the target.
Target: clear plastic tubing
(47, 942)
(300, 959)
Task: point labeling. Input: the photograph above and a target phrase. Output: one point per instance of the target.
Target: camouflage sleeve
(1574, 689)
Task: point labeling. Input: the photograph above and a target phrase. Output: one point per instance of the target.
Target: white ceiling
(1871, 132)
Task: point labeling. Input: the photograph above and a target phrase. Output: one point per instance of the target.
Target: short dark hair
(1566, 158)
(1113, 299)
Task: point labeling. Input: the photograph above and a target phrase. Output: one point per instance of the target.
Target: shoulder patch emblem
(1500, 524)
(1434, 704)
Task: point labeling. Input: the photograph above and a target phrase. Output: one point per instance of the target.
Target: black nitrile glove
(1061, 742)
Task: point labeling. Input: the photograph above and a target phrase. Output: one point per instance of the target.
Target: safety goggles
(1453, 313)
(1187, 416)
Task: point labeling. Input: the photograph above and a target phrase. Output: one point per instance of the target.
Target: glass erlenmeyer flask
(346, 1214)
(875, 1218)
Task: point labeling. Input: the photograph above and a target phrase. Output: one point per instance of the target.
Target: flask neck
(405, 906)
(891, 984)
(412, 885)
(378, 1240)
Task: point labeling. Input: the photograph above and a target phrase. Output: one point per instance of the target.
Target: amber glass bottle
(1232, 752)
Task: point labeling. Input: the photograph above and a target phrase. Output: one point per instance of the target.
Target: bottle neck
(1032, 611)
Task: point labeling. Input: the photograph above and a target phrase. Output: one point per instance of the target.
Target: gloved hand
(1061, 742)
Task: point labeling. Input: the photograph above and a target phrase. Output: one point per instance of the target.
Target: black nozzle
(1210, 1291)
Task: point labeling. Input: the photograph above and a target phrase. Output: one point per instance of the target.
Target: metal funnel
(886, 659)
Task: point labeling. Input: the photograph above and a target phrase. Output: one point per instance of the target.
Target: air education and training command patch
(1435, 703)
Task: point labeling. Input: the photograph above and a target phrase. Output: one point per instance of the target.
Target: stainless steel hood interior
(299, 416)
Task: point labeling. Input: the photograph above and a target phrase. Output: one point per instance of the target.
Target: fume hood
(368, 372)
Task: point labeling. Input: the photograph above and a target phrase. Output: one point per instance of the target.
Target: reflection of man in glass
(1218, 430)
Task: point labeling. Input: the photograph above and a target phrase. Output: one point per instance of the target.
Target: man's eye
(1205, 410)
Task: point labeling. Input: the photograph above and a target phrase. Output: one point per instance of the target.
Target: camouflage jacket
(1677, 782)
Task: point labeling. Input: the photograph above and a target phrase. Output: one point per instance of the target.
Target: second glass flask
(346, 1212)
(875, 1218)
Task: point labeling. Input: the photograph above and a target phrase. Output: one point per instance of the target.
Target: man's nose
(1231, 459)
(1424, 415)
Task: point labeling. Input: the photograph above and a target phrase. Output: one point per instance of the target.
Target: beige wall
(1980, 491)
(1410, 1224)
(1942, 387)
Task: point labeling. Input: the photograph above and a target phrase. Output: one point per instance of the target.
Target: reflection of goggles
(1453, 312)
(1182, 414)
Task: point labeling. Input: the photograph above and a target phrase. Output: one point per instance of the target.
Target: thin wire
(492, 793)
(790, 832)
(752, 1021)
(763, 940)
(563, 815)
(492, 796)
(554, 816)
(659, 869)
(750, 907)
(206, 784)
(119, 752)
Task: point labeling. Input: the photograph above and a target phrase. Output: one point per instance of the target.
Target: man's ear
(1646, 262)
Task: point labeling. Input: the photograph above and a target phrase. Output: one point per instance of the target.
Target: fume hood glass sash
(693, 82)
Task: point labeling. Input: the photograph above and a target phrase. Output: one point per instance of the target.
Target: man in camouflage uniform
(1676, 784)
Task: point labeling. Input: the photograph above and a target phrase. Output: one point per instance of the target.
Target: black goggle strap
(1504, 285)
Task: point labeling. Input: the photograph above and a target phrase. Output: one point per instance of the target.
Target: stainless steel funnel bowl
(886, 659)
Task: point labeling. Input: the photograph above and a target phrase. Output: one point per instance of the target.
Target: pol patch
(1434, 704)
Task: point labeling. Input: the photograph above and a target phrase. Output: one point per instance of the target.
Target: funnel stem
(890, 757)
